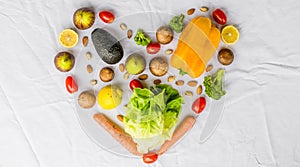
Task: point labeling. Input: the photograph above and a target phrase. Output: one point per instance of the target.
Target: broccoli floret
(213, 84)
(141, 39)
(177, 23)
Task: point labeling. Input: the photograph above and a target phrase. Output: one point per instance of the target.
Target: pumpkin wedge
(196, 45)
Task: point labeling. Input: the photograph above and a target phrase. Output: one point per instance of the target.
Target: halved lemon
(68, 38)
(230, 35)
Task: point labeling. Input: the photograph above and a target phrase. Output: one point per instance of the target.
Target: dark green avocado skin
(107, 46)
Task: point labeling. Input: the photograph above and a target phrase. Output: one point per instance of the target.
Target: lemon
(68, 38)
(109, 97)
(230, 35)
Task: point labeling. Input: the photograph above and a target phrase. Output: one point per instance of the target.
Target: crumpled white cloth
(260, 125)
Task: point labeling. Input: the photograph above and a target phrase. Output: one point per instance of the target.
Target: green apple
(135, 64)
(84, 18)
(64, 61)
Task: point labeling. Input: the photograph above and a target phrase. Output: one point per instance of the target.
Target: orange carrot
(117, 133)
(180, 131)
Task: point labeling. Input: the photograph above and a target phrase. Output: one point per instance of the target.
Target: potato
(164, 35)
(158, 66)
(106, 74)
(225, 56)
(86, 99)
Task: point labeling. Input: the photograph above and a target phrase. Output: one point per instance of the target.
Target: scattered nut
(188, 93)
(191, 11)
(123, 26)
(143, 77)
(120, 117)
(171, 78)
(126, 75)
(209, 68)
(129, 34)
(121, 67)
(89, 68)
(204, 9)
(157, 81)
(93, 82)
(199, 89)
(179, 82)
(192, 83)
(85, 41)
(169, 51)
(88, 55)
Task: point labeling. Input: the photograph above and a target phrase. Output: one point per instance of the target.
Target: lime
(68, 38)
(230, 35)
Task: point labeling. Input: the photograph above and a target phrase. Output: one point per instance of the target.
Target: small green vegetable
(177, 23)
(213, 84)
(141, 39)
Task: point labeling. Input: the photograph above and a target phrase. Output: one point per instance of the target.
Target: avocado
(107, 46)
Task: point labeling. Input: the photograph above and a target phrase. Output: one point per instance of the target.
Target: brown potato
(106, 74)
(164, 35)
(86, 99)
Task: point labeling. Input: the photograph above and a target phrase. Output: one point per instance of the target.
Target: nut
(209, 68)
(89, 68)
(191, 11)
(85, 41)
(123, 26)
(188, 93)
(179, 82)
(121, 67)
(171, 78)
(129, 34)
(199, 89)
(93, 82)
(169, 51)
(143, 77)
(192, 83)
(157, 81)
(120, 117)
(88, 55)
(204, 9)
(126, 75)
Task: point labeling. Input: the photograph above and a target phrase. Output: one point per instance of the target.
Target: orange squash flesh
(196, 45)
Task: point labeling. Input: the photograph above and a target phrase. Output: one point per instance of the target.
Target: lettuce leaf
(152, 115)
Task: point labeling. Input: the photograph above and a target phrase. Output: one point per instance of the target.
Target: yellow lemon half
(109, 97)
(68, 38)
(230, 35)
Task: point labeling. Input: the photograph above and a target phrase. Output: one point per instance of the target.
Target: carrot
(117, 133)
(180, 131)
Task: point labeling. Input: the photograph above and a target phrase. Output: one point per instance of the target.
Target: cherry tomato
(153, 48)
(135, 84)
(71, 85)
(198, 105)
(219, 16)
(150, 157)
(106, 16)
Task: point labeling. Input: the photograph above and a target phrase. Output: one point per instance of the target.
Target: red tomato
(135, 84)
(106, 16)
(150, 157)
(153, 48)
(219, 16)
(71, 85)
(198, 105)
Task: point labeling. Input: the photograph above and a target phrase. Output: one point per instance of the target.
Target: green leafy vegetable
(213, 84)
(152, 115)
(141, 39)
(177, 23)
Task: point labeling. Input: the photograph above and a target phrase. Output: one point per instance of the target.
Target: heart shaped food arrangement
(151, 121)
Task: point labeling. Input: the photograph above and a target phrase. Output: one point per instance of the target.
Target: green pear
(135, 64)
(64, 61)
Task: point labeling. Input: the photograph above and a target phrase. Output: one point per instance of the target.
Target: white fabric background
(260, 125)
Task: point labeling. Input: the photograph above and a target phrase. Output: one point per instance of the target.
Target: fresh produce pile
(150, 124)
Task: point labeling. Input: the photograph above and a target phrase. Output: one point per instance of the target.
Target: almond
(191, 11)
